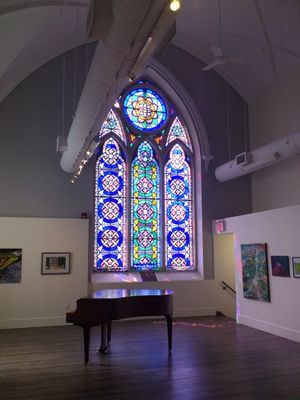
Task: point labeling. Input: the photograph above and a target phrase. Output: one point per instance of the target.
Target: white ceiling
(34, 32)
(263, 33)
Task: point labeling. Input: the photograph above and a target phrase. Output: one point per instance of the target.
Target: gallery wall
(279, 229)
(34, 185)
(273, 115)
(43, 300)
(31, 120)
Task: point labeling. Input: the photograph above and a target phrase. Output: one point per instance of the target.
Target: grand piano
(104, 306)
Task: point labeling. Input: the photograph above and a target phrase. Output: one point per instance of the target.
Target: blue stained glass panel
(177, 131)
(145, 109)
(112, 125)
(145, 223)
(110, 211)
(179, 244)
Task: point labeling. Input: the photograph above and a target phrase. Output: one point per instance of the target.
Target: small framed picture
(296, 267)
(280, 266)
(56, 263)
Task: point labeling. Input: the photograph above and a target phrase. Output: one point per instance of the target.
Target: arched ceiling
(34, 32)
(263, 34)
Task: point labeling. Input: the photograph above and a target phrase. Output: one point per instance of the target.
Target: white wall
(193, 297)
(274, 114)
(280, 229)
(42, 300)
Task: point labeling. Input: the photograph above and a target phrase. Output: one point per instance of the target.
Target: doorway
(224, 268)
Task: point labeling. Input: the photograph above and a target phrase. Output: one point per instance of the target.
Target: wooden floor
(212, 359)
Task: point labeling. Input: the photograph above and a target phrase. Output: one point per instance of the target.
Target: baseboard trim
(268, 327)
(56, 321)
(31, 322)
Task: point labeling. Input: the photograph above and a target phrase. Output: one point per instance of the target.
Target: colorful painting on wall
(280, 266)
(296, 267)
(255, 271)
(10, 265)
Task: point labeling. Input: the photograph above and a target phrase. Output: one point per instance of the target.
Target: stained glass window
(145, 109)
(110, 209)
(178, 218)
(144, 200)
(112, 125)
(177, 131)
(145, 222)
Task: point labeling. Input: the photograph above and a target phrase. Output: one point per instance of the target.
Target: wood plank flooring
(213, 359)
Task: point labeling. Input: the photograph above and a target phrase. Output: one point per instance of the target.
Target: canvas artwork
(10, 265)
(255, 271)
(280, 266)
(296, 267)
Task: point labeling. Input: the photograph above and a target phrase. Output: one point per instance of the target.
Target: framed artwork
(56, 263)
(280, 266)
(296, 267)
(255, 271)
(10, 265)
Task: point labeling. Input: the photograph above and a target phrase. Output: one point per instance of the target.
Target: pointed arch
(146, 187)
(177, 131)
(112, 124)
(110, 209)
(179, 246)
(145, 210)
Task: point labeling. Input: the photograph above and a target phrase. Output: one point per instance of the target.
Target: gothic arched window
(144, 187)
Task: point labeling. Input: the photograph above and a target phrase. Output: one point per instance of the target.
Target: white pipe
(133, 22)
(262, 157)
(107, 61)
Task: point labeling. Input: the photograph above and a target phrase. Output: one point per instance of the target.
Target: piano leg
(108, 332)
(170, 327)
(86, 337)
(104, 336)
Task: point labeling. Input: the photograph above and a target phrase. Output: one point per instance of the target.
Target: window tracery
(144, 199)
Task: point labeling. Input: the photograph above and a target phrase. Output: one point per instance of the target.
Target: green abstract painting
(255, 271)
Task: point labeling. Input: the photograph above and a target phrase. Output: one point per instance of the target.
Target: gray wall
(209, 93)
(32, 181)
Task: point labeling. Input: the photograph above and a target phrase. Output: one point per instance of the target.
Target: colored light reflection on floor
(208, 325)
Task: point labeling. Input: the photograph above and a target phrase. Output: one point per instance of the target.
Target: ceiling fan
(220, 58)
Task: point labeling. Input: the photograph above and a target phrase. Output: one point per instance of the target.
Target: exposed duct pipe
(133, 23)
(262, 157)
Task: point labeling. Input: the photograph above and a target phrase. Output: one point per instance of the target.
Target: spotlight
(175, 5)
